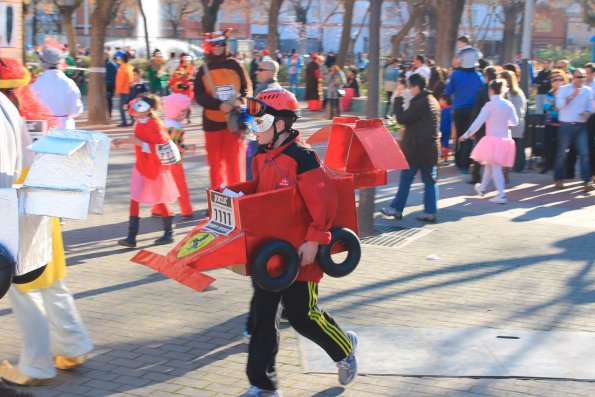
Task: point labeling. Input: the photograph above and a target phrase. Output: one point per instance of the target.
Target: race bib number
(223, 219)
(225, 92)
(168, 152)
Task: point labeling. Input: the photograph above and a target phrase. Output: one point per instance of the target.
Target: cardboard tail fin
(181, 273)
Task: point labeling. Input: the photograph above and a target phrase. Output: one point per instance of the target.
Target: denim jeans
(577, 134)
(428, 176)
(124, 99)
(294, 82)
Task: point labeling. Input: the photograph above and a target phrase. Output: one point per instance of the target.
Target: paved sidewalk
(529, 264)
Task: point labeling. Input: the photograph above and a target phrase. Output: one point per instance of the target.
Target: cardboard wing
(364, 148)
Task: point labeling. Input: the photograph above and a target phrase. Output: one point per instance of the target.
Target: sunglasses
(264, 70)
(221, 43)
(580, 77)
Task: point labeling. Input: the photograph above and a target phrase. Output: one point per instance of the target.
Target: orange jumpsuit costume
(226, 150)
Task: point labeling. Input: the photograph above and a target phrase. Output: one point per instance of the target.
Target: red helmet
(281, 100)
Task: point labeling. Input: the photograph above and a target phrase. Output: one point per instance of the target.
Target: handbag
(168, 152)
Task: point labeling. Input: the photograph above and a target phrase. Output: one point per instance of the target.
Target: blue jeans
(572, 133)
(428, 176)
(294, 82)
(124, 99)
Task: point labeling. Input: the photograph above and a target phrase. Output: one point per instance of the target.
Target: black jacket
(422, 128)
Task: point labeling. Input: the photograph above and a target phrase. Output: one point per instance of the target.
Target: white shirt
(571, 112)
(11, 133)
(61, 95)
(498, 114)
(424, 71)
(592, 85)
(169, 123)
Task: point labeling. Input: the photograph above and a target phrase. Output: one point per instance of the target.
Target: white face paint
(141, 106)
(261, 124)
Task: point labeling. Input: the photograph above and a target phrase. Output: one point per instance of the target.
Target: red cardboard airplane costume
(255, 231)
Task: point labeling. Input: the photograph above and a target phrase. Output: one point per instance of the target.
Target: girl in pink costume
(496, 149)
(175, 108)
(152, 182)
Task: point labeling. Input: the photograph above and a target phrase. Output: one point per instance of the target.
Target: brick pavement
(526, 265)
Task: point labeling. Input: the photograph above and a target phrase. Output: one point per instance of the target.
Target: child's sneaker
(348, 366)
(498, 200)
(478, 190)
(254, 391)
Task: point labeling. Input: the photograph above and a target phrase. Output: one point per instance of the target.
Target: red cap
(265, 52)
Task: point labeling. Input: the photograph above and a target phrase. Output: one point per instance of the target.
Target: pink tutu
(494, 150)
(162, 189)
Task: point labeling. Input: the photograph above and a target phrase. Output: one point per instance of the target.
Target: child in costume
(282, 161)
(138, 85)
(496, 149)
(152, 182)
(52, 330)
(175, 107)
(445, 126)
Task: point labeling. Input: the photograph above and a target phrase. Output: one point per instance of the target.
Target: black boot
(168, 235)
(130, 241)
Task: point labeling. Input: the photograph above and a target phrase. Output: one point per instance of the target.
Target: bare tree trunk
(510, 39)
(449, 18)
(416, 10)
(273, 35)
(142, 12)
(67, 21)
(209, 18)
(100, 19)
(351, 51)
(365, 209)
(346, 32)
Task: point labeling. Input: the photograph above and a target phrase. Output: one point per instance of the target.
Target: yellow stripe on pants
(331, 330)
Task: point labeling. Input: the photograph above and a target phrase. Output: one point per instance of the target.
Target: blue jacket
(462, 88)
(445, 120)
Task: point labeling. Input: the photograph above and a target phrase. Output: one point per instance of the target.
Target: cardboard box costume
(359, 154)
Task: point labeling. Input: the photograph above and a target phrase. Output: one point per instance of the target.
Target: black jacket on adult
(422, 128)
(481, 99)
(312, 81)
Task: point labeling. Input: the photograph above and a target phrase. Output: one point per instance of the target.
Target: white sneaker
(498, 200)
(348, 366)
(478, 190)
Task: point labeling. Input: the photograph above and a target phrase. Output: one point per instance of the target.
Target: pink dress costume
(151, 182)
(497, 147)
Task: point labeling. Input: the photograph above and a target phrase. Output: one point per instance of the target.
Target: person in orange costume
(225, 79)
(152, 182)
(175, 107)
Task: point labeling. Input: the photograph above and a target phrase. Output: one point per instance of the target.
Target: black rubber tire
(28, 277)
(259, 271)
(7, 266)
(354, 253)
